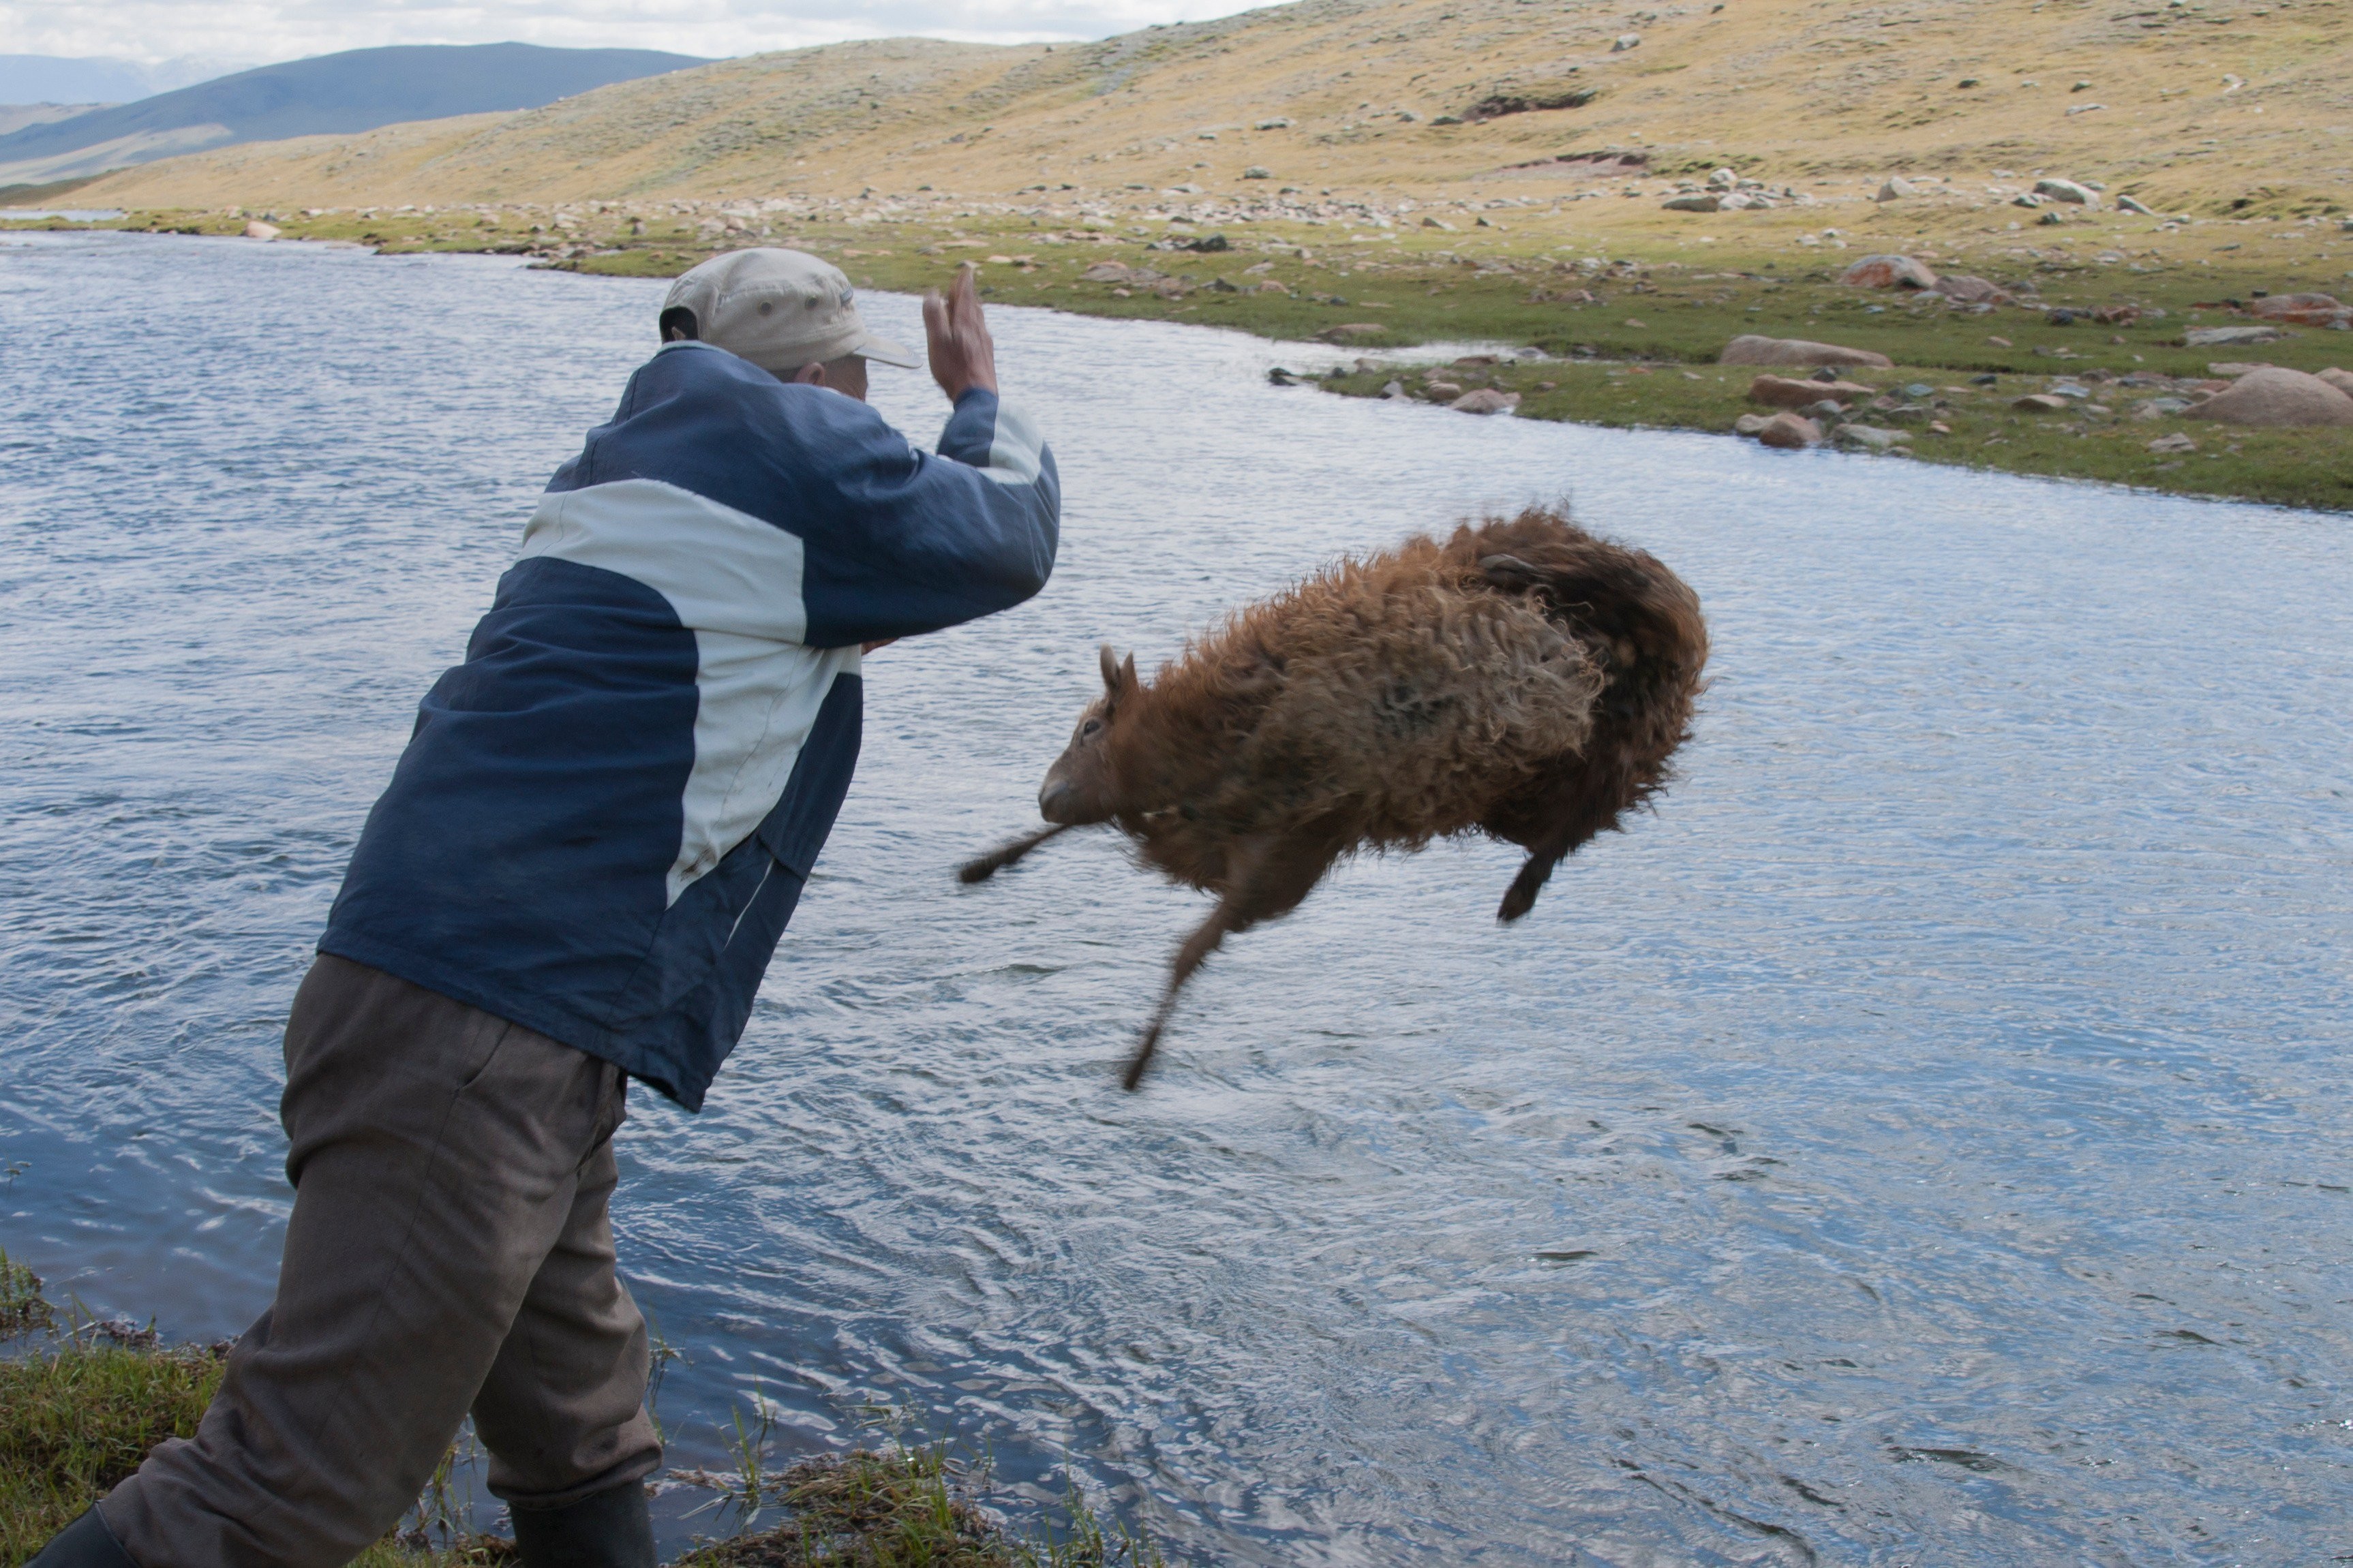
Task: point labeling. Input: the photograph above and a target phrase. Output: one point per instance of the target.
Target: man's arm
(955, 540)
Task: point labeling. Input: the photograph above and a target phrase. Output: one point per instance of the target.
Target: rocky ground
(2113, 317)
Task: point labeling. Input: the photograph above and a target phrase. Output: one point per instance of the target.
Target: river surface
(1923, 1141)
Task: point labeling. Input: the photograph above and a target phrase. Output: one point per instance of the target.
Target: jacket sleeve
(921, 542)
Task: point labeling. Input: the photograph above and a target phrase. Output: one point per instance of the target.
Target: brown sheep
(1524, 679)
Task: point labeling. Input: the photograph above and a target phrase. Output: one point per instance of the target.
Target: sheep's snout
(1056, 800)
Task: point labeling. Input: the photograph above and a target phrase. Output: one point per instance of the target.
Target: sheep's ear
(1110, 668)
(1128, 685)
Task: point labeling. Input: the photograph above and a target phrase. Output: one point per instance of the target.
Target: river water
(1923, 1141)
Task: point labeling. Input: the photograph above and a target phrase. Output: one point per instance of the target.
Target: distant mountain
(356, 91)
(62, 79)
(16, 116)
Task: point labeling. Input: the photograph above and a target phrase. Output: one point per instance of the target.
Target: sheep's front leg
(1268, 879)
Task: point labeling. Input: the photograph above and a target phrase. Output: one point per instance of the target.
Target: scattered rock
(1749, 423)
(1999, 342)
(2176, 442)
(1281, 123)
(1967, 290)
(1485, 400)
(1626, 41)
(1896, 188)
(1394, 389)
(1638, 326)
(1347, 329)
(2131, 205)
(2231, 368)
(2040, 403)
(2275, 398)
(2116, 315)
(1780, 392)
(1280, 377)
(2229, 337)
(1723, 180)
(2026, 199)
(1437, 223)
(1697, 202)
(1207, 242)
(2342, 380)
(1872, 437)
(2303, 309)
(2068, 190)
(1752, 349)
(1105, 272)
(1888, 272)
(256, 229)
(1790, 431)
(1440, 390)
(1256, 172)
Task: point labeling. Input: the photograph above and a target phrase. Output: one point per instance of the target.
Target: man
(578, 877)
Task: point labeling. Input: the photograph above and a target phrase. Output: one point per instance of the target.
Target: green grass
(79, 1418)
(911, 1508)
(1643, 300)
(79, 1411)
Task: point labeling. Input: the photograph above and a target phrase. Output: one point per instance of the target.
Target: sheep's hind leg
(1542, 855)
(1271, 883)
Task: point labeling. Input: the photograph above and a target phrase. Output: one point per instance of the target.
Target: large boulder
(1485, 400)
(2066, 191)
(2276, 398)
(2342, 380)
(1888, 272)
(2303, 309)
(1751, 349)
(2229, 337)
(1790, 431)
(1966, 291)
(1781, 391)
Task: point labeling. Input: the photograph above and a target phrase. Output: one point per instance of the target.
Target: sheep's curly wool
(1424, 692)
(1523, 680)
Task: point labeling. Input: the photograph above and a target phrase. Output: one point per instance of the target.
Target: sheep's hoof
(1142, 1061)
(1521, 896)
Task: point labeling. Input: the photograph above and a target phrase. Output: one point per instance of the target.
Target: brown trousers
(449, 1251)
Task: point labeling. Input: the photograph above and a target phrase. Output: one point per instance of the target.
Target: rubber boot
(88, 1543)
(610, 1529)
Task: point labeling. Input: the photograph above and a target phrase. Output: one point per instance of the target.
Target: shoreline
(1627, 329)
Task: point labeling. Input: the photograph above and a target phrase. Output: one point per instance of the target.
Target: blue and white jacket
(606, 815)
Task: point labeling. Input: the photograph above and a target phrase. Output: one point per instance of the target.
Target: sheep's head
(1078, 788)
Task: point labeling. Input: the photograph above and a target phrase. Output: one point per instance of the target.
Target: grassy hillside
(2202, 103)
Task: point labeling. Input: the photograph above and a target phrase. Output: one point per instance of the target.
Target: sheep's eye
(1088, 728)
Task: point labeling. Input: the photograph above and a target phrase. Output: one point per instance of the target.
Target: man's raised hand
(961, 353)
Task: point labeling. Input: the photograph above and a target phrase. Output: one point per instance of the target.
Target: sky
(260, 31)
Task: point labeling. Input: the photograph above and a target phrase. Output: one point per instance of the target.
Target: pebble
(256, 229)
(2039, 403)
(2176, 442)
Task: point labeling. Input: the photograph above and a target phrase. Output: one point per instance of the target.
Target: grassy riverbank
(83, 1402)
(1637, 310)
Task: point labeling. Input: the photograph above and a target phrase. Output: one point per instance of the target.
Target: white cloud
(152, 30)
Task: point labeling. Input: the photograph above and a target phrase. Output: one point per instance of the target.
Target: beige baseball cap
(779, 308)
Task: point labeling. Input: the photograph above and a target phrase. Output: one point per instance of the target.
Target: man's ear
(810, 374)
